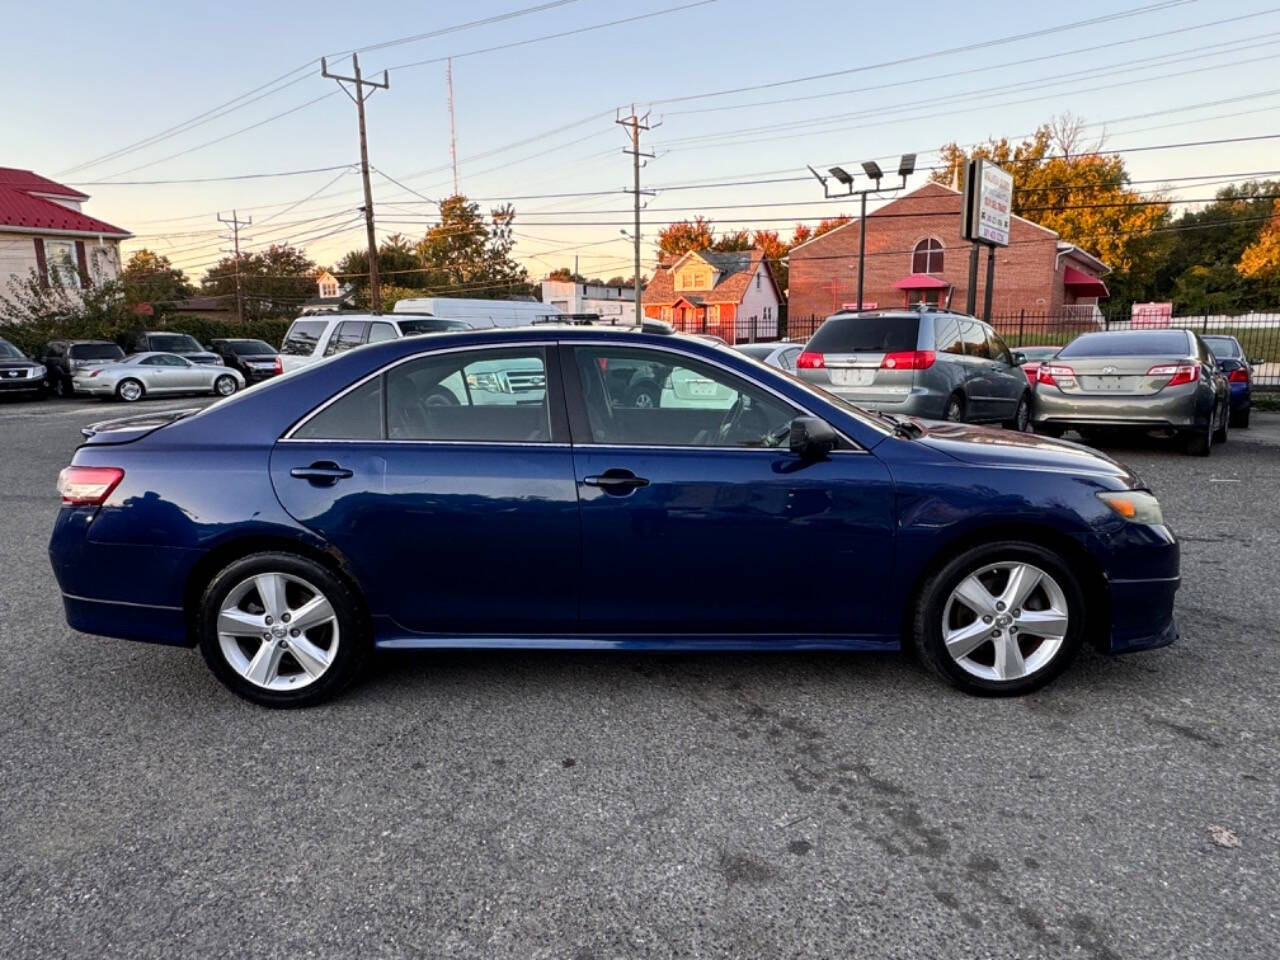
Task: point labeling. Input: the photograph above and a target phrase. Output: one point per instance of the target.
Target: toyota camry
(489, 489)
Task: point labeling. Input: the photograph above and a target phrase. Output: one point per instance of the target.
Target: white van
(481, 313)
(311, 338)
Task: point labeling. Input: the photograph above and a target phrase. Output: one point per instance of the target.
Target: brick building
(731, 295)
(914, 253)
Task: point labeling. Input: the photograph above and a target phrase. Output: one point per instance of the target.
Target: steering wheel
(742, 416)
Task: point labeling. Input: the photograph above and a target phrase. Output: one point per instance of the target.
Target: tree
(830, 223)
(734, 242)
(33, 312)
(464, 256)
(398, 264)
(677, 239)
(1261, 259)
(151, 278)
(273, 282)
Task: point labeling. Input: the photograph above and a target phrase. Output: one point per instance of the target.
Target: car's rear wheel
(955, 408)
(1199, 440)
(225, 385)
(1220, 435)
(62, 386)
(1022, 416)
(1000, 619)
(130, 390)
(282, 630)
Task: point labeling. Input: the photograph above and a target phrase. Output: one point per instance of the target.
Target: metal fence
(1258, 333)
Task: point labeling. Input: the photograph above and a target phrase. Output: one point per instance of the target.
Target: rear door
(454, 500)
(1008, 382)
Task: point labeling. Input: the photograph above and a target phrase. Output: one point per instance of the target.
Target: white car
(313, 338)
(145, 374)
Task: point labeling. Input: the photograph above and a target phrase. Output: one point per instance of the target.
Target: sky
(113, 96)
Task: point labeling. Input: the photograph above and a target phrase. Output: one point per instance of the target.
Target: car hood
(9, 364)
(989, 446)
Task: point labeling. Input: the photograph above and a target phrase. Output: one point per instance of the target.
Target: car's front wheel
(225, 385)
(955, 408)
(282, 630)
(1000, 619)
(130, 391)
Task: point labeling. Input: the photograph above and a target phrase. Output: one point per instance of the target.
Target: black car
(256, 359)
(18, 372)
(64, 358)
(166, 341)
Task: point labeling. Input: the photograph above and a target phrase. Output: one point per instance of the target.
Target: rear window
(757, 350)
(1153, 343)
(96, 351)
(302, 337)
(174, 343)
(411, 328)
(1223, 346)
(866, 335)
(251, 348)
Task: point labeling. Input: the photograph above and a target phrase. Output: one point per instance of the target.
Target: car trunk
(128, 429)
(1116, 376)
(868, 354)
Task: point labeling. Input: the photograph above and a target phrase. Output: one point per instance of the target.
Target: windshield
(96, 351)
(866, 334)
(174, 343)
(1137, 343)
(251, 348)
(1223, 346)
(412, 328)
(9, 352)
(757, 350)
(1038, 353)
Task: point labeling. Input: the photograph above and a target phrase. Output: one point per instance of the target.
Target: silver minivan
(924, 363)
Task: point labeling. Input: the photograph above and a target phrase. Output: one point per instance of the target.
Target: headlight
(1136, 505)
(38, 372)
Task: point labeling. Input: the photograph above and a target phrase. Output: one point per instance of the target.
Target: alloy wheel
(955, 410)
(278, 631)
(1005, 621)
(130, 390)
(225, 386)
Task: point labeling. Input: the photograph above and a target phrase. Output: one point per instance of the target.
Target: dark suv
(256, 359)
(925, 363)
(166, 341)
(63, 358)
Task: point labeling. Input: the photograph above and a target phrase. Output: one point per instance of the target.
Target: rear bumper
(92, 386)
(1053, 407)
(127, 621)
(908, 401)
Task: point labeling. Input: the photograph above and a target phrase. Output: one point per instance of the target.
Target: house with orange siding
(730, 295)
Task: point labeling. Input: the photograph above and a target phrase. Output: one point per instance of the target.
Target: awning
(921, 281)
(1083, 285)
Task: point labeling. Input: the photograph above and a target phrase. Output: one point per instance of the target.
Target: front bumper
(1053, 407)
(23, 385)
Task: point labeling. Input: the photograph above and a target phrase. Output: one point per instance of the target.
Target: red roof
(921, 281)
(20, 207)
(1081, 284)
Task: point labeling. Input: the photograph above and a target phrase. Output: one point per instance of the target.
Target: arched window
(927, 257)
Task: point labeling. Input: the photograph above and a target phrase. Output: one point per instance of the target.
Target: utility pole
(635, 124)
(235, 223)
(453, 128)
(358, 98)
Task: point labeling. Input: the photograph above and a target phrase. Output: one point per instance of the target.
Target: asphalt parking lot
(602, 805)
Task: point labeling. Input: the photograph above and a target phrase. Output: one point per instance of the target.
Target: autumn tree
(273, 282)
(150, 277)
(733, 242)
(677, 239)
(1261, 259)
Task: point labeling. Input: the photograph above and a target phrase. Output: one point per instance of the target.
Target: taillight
(1051, 373)
(279, 366)
(811, 361)
(88, 486)
(95, 373)
(1238, 375)
(1178, 373)
(908, 360)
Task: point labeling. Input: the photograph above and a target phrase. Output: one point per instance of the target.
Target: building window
(927, 257)
(757, 281)
(60, 257)
(666, 313)
(768, 313)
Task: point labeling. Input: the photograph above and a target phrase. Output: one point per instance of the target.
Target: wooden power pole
(358, 98)
(235, 223)
(635, 124)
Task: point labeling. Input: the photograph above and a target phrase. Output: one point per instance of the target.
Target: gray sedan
(142, 374)
(1154, 380)
(777, 353)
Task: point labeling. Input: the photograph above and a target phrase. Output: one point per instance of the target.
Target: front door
(455, 501)
(698, 520)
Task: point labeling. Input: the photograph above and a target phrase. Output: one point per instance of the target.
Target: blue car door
(447, 482)
(698, 520)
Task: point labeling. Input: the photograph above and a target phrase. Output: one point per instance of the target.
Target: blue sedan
(488, 489)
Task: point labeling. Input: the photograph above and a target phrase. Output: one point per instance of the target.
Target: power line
(240, 176)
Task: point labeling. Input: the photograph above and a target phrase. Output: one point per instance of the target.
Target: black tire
(1049, 430)
(1240, 419)
(142, 390)
(926, 618)
(1021, 421)
(646, 394)
(955, 408)
(217, 392)
(62, 387)
(354, 632)
(1220, 435)
(1199, 441)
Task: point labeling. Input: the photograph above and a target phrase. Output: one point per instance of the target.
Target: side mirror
(1019, 358)
(1257, 361)
(811, 438)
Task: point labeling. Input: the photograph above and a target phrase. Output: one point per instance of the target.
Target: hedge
(31, 337)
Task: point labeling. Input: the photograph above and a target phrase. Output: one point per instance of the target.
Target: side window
(975, 339)
(302, 337)
(789, 359)
(655, 398)
(997, 347)
(171, 361)
(157, 361)
(946, 336)
(381, 331)
(349, 333)
(483, 396)
(357, 416)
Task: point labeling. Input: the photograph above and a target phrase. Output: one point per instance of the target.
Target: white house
(43, 229)
(610, 304)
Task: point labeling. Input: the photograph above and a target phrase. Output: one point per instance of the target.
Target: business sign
(1147, 315)
(988, 203)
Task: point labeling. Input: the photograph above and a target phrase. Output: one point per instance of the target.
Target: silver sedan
(143, 374)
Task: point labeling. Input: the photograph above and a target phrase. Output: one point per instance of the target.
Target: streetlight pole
(906, 167)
